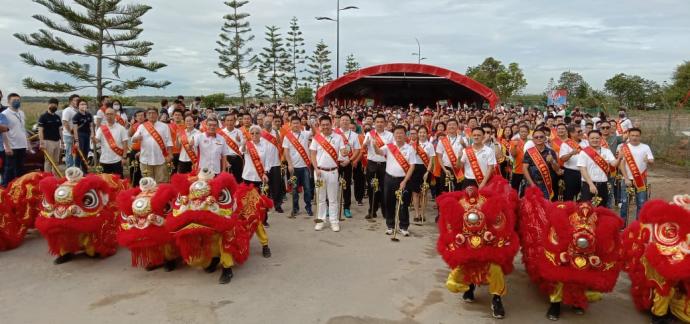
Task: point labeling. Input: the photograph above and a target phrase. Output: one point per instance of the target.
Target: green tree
(106, 32)
(679, 89)
(234, 53)
(506, 82)
(351, 64)
(575, 84)
(214, 100)
(633, 91)
(275, 78)
(296, 53)
(319, 67)
(304, 95)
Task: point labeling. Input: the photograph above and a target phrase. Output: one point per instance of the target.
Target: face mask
(52, 109)
(116, 107)
(16, 104)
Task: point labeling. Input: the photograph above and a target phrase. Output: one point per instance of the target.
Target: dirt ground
(356, 276)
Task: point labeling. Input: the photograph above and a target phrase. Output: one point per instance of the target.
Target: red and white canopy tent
(404, 83)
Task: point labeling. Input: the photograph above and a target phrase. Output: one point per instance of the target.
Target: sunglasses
(605, 127)
(538, 137)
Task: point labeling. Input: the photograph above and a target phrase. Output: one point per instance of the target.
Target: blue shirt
(3, 122)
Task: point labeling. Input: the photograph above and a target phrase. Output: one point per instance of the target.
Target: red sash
(274, 140)
(185, 143)
(377, 138)
(119, 119)
(399, 157)
(474, 164)
(298, 146)
(111, 141)
(156, 137)
(136, 145)
(422, 154)
(574, 145)
(598, 159)
(230, 142)
(254, 155)
(452, 158)
(327, 147)
(245, 132)
(345, 141)
(619, 127)
(638, 177)
(557, 142)
(543, 169)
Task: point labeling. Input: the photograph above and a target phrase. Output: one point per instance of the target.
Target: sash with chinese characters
(598, 159)
(298, 146)
(254, 155)
(156, 137)
(136, 145)
(422, 154)
(543, 169)
(111, 141)
(119, 119)
(619, 127)
(452, 158)
(245, 132)
(638, 177)
(274, 140)
(399, 157)
(345, 141)
(185, 145)
(327, 147)
(377, 138)
(573, 145)
(474, 164)
(230, 142)
(557, 143)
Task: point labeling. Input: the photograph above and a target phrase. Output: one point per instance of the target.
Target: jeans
(302, 175)
(640, 199)
(14, 166)
(69, 158)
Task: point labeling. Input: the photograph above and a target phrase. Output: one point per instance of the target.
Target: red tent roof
(404, 68)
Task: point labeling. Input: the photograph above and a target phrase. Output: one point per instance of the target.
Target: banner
(557, 97)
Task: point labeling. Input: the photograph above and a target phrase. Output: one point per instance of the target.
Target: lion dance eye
(224, 198)
(667, 233)
(90, 199)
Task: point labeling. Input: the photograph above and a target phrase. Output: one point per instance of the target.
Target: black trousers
(14, 166)
(134, 172)
(457, 185)
(573, 183)
(359, 181)
(176, 162)
(375, 170)
(236, 166)
(390, 186)
(276, 187)
(602, 192)
(114, 168)
(468, 183)
(515, 182)
(345, 172)
(184, 167)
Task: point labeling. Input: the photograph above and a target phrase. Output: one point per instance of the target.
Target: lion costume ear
(48, 187)
(125, 200)
(223, 180)
(165, 194)
(181, 182)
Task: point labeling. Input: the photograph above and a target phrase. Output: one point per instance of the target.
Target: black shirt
(51, 124)
(83, 123)
(532, 168)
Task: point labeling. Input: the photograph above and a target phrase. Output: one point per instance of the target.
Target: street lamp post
(419, 52)
(337, 37)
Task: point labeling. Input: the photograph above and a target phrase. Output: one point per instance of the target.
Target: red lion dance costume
(142, 229)
(477, 239)
(571, 251)
(657, 249)
(206, 229)
(78, 214)
(19, 207)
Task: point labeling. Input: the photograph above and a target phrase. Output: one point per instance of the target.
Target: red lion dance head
(20, 205)
(477, 228)
(576, 245)
(79, 213)
(142, 228)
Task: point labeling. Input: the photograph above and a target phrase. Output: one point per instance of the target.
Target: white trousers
(328, 190)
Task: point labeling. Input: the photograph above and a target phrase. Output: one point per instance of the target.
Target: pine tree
(351, 64)
(275, 67)
(108, 32)
(319, 66)
(296, 53)
(234, 54)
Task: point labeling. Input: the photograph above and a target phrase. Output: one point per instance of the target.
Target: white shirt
(151, 153)
(428, 148)
(191, 138)
(352, 141)
(572, 162)
(393, 168)
(594, 171)
(323, 159)
(108, 156)
(625, 125)
(211, 151)
(386, 137)
(100, 116)
(303, 140)
(486, 157)
(456, 143)
(67, 115)
(272, 155)
(639, 152)
(528, 145)
(16, 135)
(237, 136)
(249, 172)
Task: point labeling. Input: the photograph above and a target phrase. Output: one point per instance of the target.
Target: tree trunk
(99, 63)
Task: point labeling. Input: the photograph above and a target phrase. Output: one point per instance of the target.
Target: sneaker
(554, 312)
(319, 226)
(664, 319)
(170, 265)
(293, 214)
(310, 213)
(225, 276)
(389, 231)
(497, 310)
(347, 213)
(404, 232)
(279, 210)
(266, 224)
(468, 296)
(335, 227)
(579, 310)
(266, 251)
(64, 258)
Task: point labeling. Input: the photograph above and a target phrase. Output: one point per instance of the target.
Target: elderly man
(112, 138)
(156, 147)
(212, 148)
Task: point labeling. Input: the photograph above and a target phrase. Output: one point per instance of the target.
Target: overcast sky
(595, 38)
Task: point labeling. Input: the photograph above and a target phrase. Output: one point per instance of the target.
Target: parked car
(131, 110)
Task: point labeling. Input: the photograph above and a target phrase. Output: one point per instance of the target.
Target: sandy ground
(355, 276)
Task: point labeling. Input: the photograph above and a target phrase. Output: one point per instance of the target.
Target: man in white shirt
(477, 155)
(352, 151)
(212, 148)
(324, 150)
(400, 160)
(634, 156)
(276, 185)
(568, 156)
(112, 138)
(296, 151)
(67, 138)
(449, 148)
(376, 164)
(230, 133)
(14, 140)
(189, 156)
(595, 163)
(156, 147)
(624, 124)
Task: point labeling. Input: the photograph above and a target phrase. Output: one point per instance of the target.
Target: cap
(428, 112)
